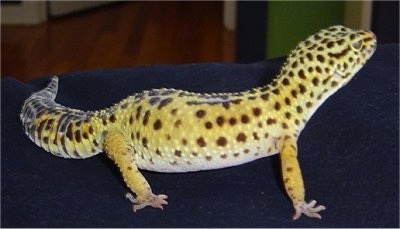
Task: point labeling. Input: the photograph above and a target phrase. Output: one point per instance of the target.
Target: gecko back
(62, 131)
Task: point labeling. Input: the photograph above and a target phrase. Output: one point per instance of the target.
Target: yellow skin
(168, 130)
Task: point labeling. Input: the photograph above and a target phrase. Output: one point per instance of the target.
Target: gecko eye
(357, 45)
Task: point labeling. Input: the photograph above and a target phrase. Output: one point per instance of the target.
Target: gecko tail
(60, 130)
(37, 102)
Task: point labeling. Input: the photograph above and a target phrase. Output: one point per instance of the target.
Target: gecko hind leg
(117, 148)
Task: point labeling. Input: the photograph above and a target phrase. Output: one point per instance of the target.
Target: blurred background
(41, 38)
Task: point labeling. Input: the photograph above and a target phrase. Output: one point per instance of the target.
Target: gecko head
(332, 56)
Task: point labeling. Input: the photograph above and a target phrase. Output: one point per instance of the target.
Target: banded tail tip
(50, 91)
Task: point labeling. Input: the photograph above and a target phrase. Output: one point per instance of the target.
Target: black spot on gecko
(301, 74)
(154, 93)
(154, 100)
(157, 124)
(174, 111)
(200, 113)
(320, 58)
(232, 121)
(164, 103)
(201, 142)
(40, 128)
(90, 129)
(220, 120)
(69, 132)
(184, 141)
(245, 119)
(158, 152)
(277, 106)
(265, 96)
(294, 93)
(256, 111)
(78, 136)
(241, 137)
(208, 125)
(299, 109)
(294, 64)
(285, 82)
(287, 101)
(178, 153)
(138, 111)
(221, 141)
(302, 88)
(49, 124)
(271, 121)
(315, 81)
(146, 118)
(112, 118)
(309, 56)
(226, 105)
(255, 136)
(178, 123)
(341, 54)
(145, 142)
(85, 135)
(124, 106)
(318, 69)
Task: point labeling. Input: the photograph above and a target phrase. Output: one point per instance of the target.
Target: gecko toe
(308, 209)
(156, 201)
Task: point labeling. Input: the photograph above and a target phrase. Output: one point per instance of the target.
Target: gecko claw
(308, 209)
(156, 201)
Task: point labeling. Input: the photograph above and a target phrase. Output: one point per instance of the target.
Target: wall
(289, 22)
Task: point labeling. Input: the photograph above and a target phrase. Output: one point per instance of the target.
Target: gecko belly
(215, 160)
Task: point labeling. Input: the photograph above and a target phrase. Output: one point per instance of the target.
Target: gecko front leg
(118, 150)
(294, 182)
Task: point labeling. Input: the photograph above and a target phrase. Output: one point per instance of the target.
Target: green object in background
(289, 22)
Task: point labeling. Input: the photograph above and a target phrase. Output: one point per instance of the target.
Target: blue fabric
(348, 152)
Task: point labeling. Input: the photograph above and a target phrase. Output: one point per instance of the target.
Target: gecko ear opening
(357, 45)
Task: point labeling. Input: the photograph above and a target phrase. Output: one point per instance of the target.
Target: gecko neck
(295, 98)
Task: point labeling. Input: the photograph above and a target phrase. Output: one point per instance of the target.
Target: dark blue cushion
(348, 152)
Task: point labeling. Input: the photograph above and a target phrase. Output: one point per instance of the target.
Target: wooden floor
(119, 35)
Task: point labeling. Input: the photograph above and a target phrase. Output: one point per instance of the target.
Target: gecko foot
(156, 201)
(308, 209)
